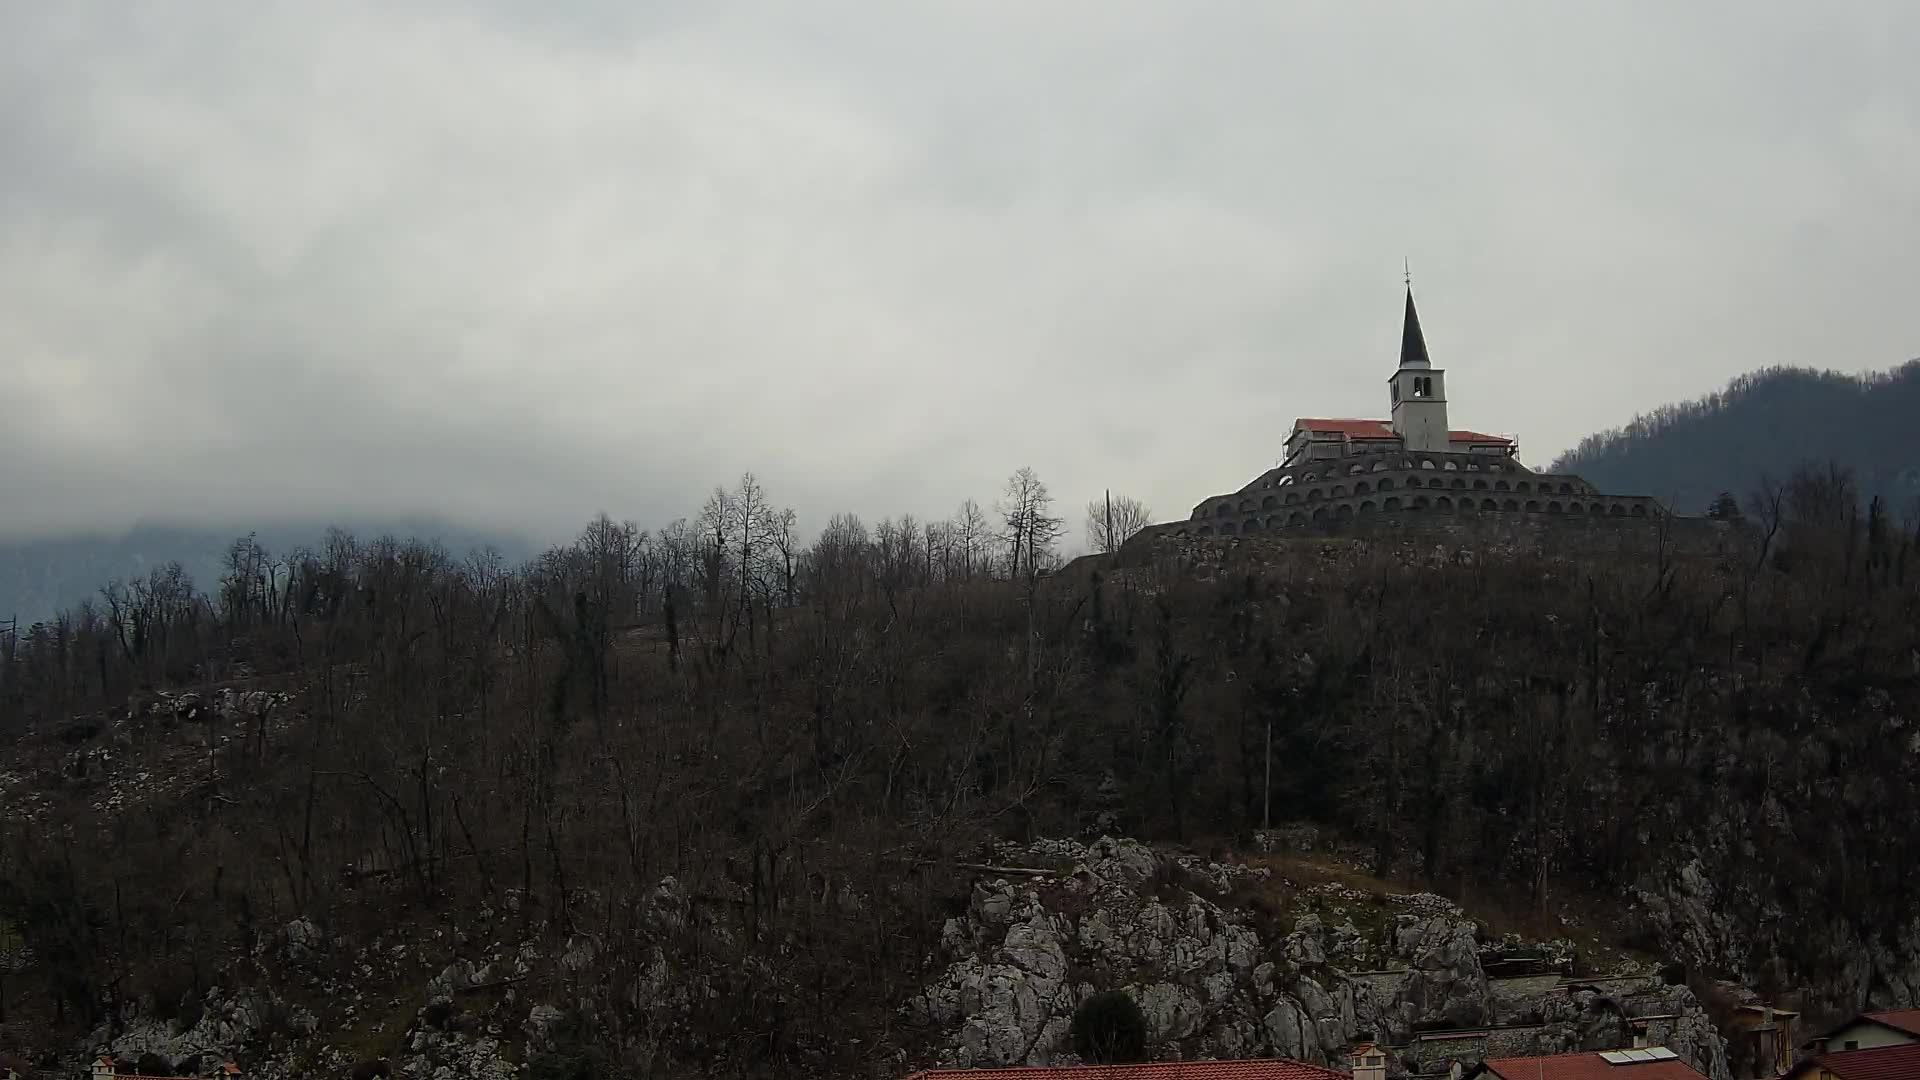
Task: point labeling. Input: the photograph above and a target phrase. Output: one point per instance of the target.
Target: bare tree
(783, 538)
(970, 534)
(1028, 526)
(1112, 521)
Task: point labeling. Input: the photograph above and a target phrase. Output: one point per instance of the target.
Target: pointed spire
(1413, 344)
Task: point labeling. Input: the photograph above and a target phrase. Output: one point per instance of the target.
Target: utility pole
(1108, 539)
(1266, 785)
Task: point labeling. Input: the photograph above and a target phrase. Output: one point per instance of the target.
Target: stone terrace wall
(1569, 534)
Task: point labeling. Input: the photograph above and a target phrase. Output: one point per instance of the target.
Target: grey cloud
(519, 263)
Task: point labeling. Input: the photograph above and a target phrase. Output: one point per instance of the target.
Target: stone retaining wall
(1573, 534)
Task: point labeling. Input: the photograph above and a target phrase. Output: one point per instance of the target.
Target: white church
(1338, 471)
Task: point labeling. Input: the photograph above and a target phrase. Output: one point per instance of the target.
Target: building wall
(1386, 471)
(1868, 1036)
(1445, 497)
(1625, 534)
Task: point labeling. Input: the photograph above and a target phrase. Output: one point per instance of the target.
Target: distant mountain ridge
(41, 577)
(1767, 422)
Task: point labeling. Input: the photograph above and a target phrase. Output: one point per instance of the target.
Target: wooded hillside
(1765, 424)
(808, 739)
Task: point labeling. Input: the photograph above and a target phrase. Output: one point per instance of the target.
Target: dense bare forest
(805, 744)
(1766, 422)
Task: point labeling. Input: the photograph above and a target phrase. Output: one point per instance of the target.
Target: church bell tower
(1419, 390)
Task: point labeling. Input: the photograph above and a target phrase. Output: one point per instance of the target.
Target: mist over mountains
(43, 576)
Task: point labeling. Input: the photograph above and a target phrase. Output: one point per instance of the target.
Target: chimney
(1368, 1060)
(1775, 1037)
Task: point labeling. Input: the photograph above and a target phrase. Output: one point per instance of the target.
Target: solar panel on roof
(1615, 1057)
(1661, 1053)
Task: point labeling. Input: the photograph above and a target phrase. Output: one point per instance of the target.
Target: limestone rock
(1445, 981)
(541, 1020)
(1304, 944)
(301, 942)
(580, 953)
(668, 906)
(1005, 995)
(1124, 861)
(1171, 1011)
(1289, 1032)
(1017, 963)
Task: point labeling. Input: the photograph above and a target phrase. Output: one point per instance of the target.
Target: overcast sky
(517, 262)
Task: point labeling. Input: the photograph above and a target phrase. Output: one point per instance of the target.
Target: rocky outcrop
(1445, 983)
(227, 1024)
(1711, 914)
(1213, 983)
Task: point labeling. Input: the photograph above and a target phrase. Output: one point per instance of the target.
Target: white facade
(1420, 409)
(1866, 1036)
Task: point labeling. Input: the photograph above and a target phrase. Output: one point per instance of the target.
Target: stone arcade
(1339, 472)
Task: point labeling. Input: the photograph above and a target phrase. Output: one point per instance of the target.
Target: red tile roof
(1476, 437)
(1357, 429)
(1588, 1066)
(1383, 429)
(1263, 1069)
(1907, 1020)
(1880, 1063)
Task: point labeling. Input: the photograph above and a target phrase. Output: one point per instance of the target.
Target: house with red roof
(1891, 1027)
(1899, 1061)
(1648, 1063)
(106, 1068)
(1412, 467)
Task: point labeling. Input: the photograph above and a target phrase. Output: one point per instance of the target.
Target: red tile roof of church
(1383, 429)
(1361, 429)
